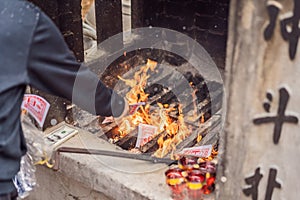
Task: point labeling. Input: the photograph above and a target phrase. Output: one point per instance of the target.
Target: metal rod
(109, 153)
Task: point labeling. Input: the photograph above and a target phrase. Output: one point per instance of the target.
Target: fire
(173, 131)
(175, 135)
(214, 154)
(137, 93)
(125, 128)
(199, 137)
(194, 100)
(202, 120)
(195, 110)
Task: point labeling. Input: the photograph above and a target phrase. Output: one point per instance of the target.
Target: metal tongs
(108, 153)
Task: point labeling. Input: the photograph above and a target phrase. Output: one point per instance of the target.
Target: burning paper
(135, 106)
(201, 151)
(154, 121)
(145, 134)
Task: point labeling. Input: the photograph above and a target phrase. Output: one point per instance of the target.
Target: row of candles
(191, 179)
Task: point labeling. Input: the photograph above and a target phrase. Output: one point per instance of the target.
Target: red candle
(175, 178)
(188, 163)
(195, 182)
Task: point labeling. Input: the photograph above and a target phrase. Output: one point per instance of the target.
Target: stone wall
(203, 20)
(67, 17)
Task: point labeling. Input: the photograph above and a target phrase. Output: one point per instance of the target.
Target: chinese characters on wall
(262, 123)
(290, 32)
(289, 26)
(254, 180)
(278, 120)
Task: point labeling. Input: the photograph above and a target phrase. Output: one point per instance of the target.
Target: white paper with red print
(37, 106)
(145, 134)
(135, 106)
(201, 151)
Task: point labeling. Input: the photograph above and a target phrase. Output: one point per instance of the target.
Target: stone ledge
(55, 185)
(117, 178)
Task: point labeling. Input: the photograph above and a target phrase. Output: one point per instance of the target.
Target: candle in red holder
(209, 187)
(209, 169)
(188, 163)
(195, 182)
(175, 179)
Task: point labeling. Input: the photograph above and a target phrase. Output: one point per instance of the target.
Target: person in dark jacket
(33, 52)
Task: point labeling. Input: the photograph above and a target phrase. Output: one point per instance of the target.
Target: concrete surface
(55, 185)
(90, 177)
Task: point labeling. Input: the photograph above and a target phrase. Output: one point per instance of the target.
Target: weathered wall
(262, 129)
(66, 14)
(203, 20)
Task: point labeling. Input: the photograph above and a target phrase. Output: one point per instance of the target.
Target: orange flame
(199, 137)
(173, 131)
(135, 95)
(202, 120)
(175, 135)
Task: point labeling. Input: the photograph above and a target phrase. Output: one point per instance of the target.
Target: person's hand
(125, 113)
